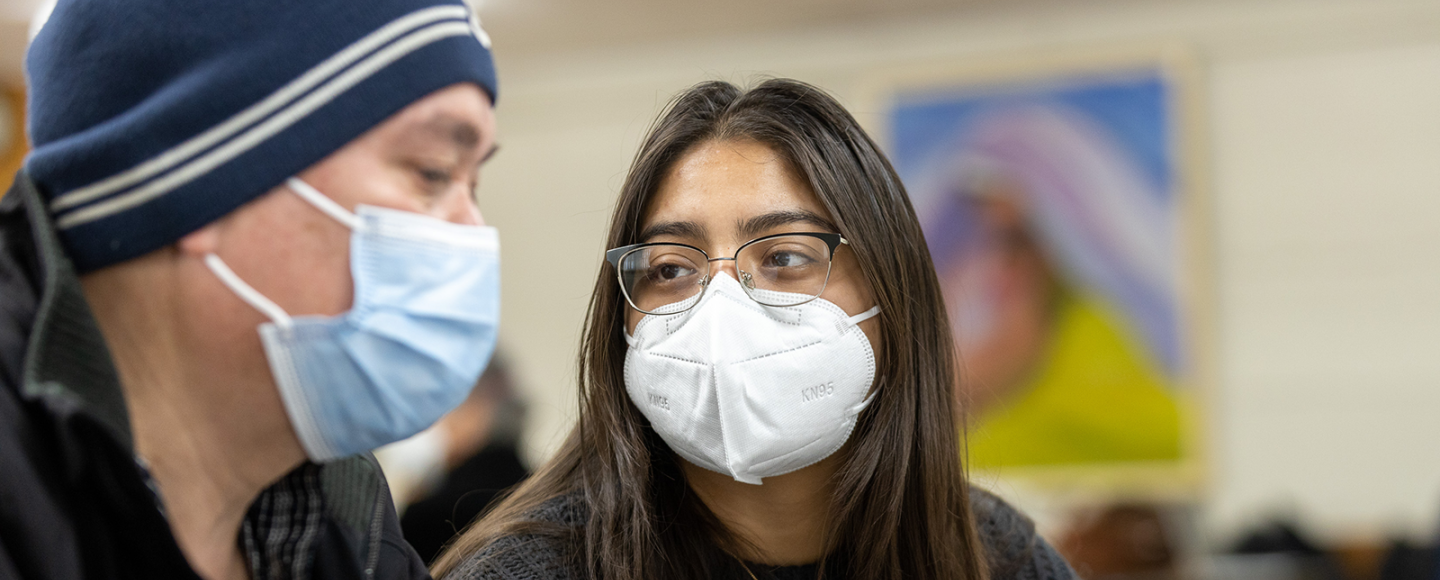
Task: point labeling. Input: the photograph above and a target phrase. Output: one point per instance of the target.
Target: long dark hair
(901, 507)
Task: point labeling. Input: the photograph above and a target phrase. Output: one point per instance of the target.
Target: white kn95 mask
(747, 390)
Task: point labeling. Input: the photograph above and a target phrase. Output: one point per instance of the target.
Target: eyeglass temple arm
(614, 255)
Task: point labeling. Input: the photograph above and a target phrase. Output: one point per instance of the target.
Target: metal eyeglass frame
(616, 255)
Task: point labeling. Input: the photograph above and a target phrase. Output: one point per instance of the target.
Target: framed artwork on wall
(1063, 207)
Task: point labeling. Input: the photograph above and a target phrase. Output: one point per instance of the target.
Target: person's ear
(199, 243)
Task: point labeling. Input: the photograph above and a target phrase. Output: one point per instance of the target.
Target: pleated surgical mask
(421, 329)
(747, 390)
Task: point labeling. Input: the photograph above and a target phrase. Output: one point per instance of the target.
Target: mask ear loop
(866, 315)
(857, 319)
(247, 293)
(866, 403)
(323, 203)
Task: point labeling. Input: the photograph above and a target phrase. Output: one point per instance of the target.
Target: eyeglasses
(780, 270)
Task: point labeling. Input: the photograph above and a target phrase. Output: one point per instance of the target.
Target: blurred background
(1300, 174)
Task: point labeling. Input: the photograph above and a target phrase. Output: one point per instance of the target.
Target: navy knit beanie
(152, 118)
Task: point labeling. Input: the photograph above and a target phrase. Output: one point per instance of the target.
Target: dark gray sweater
(1014, 550)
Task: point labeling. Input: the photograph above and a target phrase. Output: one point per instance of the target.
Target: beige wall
(1324, 146)
(1328, 180)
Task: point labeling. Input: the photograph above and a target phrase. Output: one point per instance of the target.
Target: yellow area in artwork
(1095, 399)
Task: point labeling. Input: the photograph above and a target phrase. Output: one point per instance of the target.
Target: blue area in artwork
(1134, 109)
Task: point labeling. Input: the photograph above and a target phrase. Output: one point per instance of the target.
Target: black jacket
(74, 503)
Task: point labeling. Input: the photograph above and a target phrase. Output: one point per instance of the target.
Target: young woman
(766, 378)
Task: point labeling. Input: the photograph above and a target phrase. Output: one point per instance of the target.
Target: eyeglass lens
(660, 275)
(778, 271)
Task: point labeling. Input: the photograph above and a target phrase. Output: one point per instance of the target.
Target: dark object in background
(1408, 562)
(1277, 537)
(1284, 538)
(431, 522)
(482, 460)
(1121, 541)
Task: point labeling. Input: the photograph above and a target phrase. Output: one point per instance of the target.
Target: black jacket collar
(66, 357)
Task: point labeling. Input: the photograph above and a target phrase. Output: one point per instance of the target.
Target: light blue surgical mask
(422, 328)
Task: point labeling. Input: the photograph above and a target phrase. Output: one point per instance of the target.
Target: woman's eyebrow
(758, 225)
(688, 230)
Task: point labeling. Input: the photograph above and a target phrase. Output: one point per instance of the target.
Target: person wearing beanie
(243, 252)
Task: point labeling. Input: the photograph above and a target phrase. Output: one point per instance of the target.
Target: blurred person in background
(243, 252)
(448, 474)
(768, 390)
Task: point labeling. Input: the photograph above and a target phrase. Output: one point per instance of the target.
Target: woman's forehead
(723, 185)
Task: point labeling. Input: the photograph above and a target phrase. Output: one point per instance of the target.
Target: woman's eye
(667, 272)
(787, 259)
